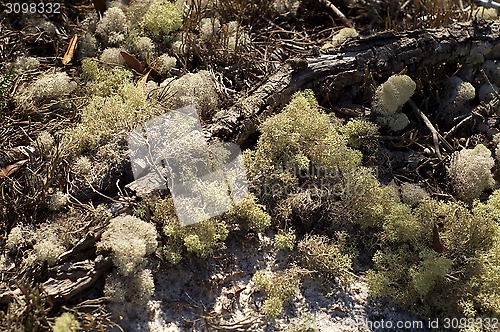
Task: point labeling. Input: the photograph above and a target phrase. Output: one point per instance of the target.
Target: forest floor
(66, 173)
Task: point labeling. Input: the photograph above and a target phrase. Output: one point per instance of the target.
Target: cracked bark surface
(73, 274)
(380, 56)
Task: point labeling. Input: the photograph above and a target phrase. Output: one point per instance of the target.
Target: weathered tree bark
(68, 280)
(380, 55)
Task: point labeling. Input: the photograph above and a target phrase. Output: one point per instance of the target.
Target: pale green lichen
(340, 37)
(144, 47)
(161, 19)
(456, 97)
(82, 166)
(57, 201)
(393, 94)
(130, 240)
(48, 248)
(66, 323)
(137, 288)
(103, 81)
(412, 194)
(26, 63)
(19, 237)
(165, 64)
(429, 272)
(285, 239)
(208, 28)
(113, 56)
(470, 172)
(44, 143)
(280, 286)
(117, 105)
(319, 253)
(396, 122)
(199, 89)
(51, 86)
(356, 129)
(113, 27)
(202, 239)
(251, 214)
(401, 225)
(301, 129)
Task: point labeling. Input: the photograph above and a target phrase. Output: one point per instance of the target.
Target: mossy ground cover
(336, 200)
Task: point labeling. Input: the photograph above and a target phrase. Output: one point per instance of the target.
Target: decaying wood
(380, 55)
(68, 280)
(72, 279)
(83, 245)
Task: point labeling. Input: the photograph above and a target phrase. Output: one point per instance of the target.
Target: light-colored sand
(218, 294)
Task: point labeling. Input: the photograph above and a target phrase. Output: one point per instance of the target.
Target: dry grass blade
(12, 168)
(70, 52)
(133, 63)
(141, 83)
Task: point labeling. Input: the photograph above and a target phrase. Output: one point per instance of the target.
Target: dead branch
(72, 280)
(68, 280)
(436, 136)
(380, 55)
(337, 12)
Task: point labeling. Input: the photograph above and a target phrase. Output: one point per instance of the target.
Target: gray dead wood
(68, 280)
(380, 56)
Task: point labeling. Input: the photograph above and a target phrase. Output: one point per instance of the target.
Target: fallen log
(380, 55)
(72, 279)
(66, 281)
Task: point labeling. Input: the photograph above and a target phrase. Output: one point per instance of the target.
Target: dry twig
(337, 12)
(436, 136)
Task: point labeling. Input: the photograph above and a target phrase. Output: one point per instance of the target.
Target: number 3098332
(32, 8)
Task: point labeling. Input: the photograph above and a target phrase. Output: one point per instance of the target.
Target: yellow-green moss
(66, 323)
(279, 286)
(203, 238)
(161, 19)
(319, 253)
